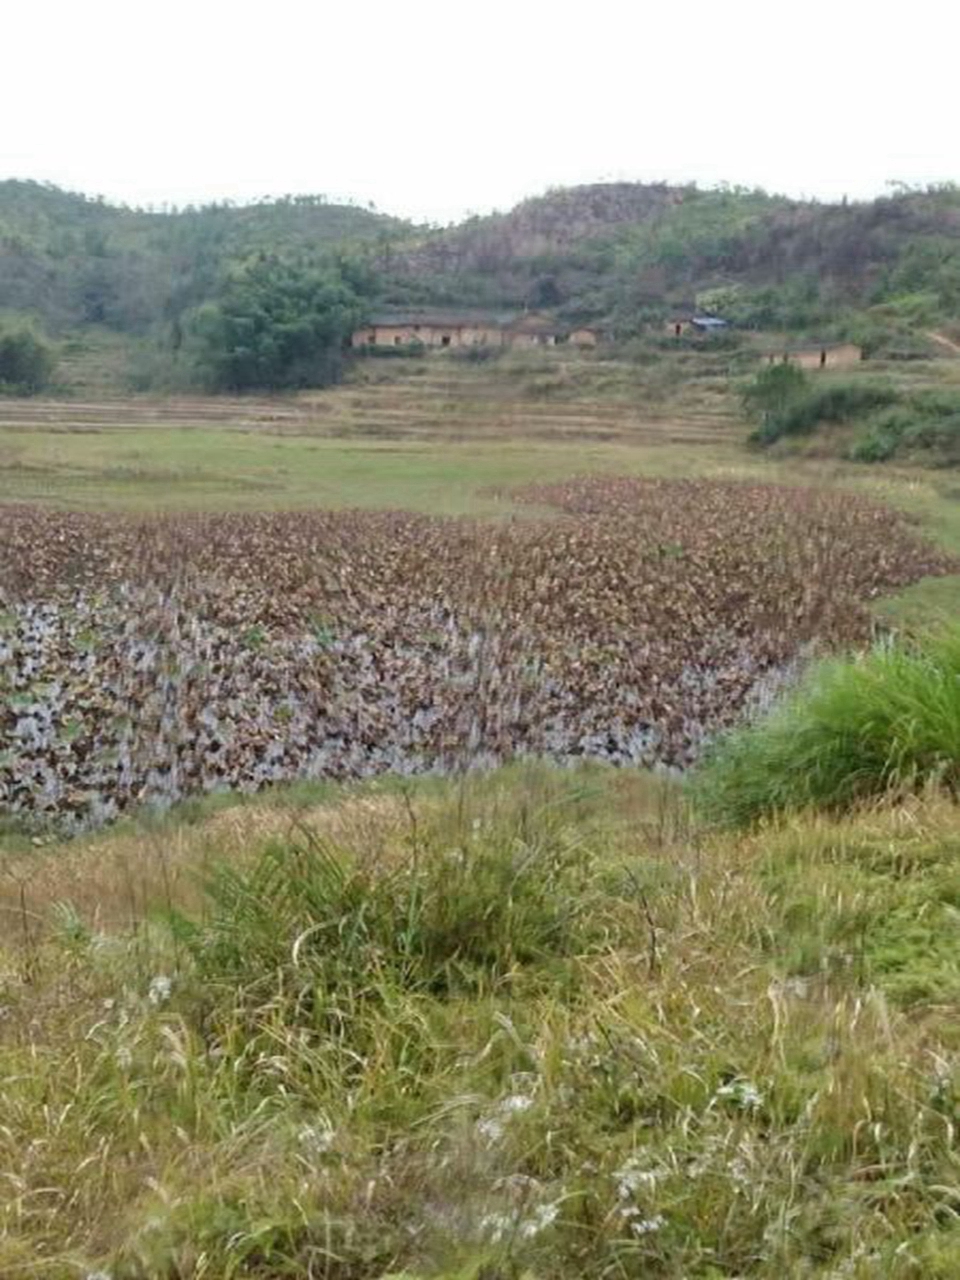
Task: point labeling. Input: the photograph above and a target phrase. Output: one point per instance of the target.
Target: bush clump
(26, 361)
(929, 423)
(855, 729)
(789, 405)
(786, 403)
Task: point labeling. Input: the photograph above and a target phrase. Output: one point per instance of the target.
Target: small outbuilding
(687, 322)
(584, 337)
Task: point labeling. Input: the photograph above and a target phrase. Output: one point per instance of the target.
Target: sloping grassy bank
(887, 418)
(526, 1025)
(883, 722)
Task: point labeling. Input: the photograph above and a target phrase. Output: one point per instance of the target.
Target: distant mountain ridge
(622, 252)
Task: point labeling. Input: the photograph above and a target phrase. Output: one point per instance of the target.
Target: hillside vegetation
(74, 261)
(623, 255)
(627, 253)
(882, 418)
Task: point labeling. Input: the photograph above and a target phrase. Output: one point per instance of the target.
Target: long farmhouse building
(469, 329)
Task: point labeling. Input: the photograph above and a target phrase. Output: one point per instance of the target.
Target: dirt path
(942, 340)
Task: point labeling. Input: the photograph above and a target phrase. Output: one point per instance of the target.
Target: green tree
(277, 324)
(26, 361)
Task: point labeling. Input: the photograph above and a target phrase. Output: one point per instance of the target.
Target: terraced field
(437, 397)
(434, 436)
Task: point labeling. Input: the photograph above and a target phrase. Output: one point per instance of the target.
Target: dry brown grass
(757, 1108)
(113, 878)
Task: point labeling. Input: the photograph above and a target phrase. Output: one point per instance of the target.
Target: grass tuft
(857, 728)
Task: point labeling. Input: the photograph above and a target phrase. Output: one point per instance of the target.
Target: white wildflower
(646, 1226)
(497, 1227)
(632, 1177)
(743, 1093)
(516, 1102)
(160, 988)
(542, 1217)
(491, 1128)
(318, 1138)
(739, 1171)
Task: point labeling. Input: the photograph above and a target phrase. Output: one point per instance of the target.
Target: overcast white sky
(434, 110)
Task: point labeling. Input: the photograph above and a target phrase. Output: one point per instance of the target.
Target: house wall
(531, 339)
(838, 357)
(432, 335)
(390, 335)
(394, 335)
(480, 336)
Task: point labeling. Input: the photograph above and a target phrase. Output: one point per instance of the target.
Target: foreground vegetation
(887, 722)
(532, 1024)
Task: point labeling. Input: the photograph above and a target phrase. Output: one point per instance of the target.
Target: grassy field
(599, 1043)
(429, 438)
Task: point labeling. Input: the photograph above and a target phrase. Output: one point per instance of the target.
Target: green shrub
(856, 728)
(26, 361)
(275, 324)
(477, 354)
(828, 402)
(772, 393)
(928, 422)
(406, 351)
(882, 438)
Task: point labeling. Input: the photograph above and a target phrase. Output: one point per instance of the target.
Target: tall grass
(519, 1026)
(857, 728)
(455, 921)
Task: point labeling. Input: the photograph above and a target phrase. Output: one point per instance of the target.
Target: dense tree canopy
(277, 324)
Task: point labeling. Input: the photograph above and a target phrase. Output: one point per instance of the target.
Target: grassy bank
(530, 1024)
(887, 722)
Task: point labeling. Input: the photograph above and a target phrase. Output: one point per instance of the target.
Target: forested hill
(625, 252)
(68, 260)
(265, 282)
